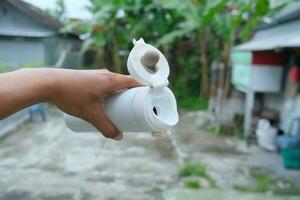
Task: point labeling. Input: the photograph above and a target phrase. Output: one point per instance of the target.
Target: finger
(120, 81)
(98, 119)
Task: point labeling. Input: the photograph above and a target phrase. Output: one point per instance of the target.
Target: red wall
(267, 58)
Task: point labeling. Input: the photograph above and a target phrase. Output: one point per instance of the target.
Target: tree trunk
(227, 87)
(204, 82)
(100, 60)
(117, 63)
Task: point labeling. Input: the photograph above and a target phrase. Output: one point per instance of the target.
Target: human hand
(81, 93)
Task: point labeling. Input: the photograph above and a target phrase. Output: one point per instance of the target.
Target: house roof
(283, 32)
(37, 13)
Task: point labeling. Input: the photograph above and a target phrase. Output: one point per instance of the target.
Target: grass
(211, 129)
(193, 169)
(192, 183)
(263, 182)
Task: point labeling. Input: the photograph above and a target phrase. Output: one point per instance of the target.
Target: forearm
(23, 88)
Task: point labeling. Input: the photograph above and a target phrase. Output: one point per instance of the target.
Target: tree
(59, 13)
(191, 33)
(216, 26)
(117, 22)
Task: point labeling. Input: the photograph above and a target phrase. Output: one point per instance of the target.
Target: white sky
(75, 8)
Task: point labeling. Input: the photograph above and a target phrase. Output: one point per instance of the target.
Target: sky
(75, 8)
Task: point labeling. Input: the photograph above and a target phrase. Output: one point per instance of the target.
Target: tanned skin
(77, 92)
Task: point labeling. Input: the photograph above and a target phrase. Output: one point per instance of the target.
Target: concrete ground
(226, 157)
(46, 161)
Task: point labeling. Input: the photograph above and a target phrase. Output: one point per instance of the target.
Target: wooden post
(250, 95)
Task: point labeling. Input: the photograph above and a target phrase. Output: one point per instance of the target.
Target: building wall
(19, 51)
(56, 46)
(24, 41)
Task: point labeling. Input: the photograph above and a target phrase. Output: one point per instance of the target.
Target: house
(266, 69)
(29, 37)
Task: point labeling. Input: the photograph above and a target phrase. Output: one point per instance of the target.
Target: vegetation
(192, 102)
(192, 183)
(263, 182)
(59, 12)
(211, 129)
(33, 64)
(3, 68)
(191, 33)
(195, 170)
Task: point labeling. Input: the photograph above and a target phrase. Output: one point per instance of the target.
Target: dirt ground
(48, 161)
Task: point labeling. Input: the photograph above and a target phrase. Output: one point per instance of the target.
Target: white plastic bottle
(151, 108)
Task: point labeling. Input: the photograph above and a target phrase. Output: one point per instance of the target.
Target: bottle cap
(148, 65)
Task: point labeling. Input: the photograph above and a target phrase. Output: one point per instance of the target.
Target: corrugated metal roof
(284, 35)
(26, 34)
(272, 42)
(283, 32)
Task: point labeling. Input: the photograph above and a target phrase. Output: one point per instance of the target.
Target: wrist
(50, 85)
(44, 81)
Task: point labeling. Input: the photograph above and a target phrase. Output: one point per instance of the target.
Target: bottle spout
(149, 60)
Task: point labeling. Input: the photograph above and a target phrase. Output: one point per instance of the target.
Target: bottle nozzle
(149, 60)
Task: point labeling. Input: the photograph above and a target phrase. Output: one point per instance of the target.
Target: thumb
(99, 120)
(121, 81)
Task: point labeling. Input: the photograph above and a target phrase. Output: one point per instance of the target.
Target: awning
(38, 34)
(290, 40)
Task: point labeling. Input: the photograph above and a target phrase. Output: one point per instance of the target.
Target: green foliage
(32, 64)
(178, 28)
(3, 68)
(239, 130)
(192, 103)
(263, 182)
(194, 169)
(59, 12)
(226, 130)
(192, 183)
(211, 129)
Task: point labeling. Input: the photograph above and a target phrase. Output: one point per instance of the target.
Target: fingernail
(119, 137)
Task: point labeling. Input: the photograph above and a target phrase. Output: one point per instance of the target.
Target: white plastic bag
(266, 135)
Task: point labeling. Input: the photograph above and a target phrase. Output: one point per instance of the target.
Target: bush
(191, 183)
(190, 102)
(3, 68)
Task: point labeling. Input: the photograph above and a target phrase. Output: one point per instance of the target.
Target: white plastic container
(151, 108)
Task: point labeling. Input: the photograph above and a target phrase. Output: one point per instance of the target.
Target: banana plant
(197, 17)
